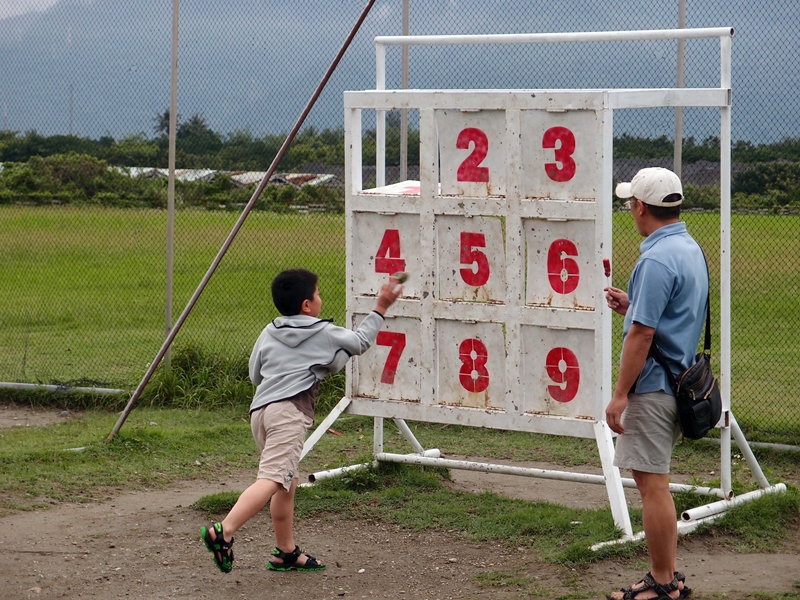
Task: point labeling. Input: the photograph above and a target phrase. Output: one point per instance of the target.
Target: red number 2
(387, 258)
(563, 153)
(562, 269)
(469, 256)
(562, 367)
(469, 170)
(476, 365)
(397, 343)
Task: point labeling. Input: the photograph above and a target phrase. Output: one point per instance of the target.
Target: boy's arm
(390, 292)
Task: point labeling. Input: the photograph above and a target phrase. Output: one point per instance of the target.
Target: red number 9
(562, 367)
(563, 153)
(476, 364)
(562, 269)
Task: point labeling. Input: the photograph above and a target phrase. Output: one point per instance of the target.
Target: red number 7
(397, 343)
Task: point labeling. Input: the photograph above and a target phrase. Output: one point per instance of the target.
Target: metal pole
(173, 126)
(404, 111)
(253, 199)
(677, 161)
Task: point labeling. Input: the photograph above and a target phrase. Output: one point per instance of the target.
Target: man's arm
(634, 354)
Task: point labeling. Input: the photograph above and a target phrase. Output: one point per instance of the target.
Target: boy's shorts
(651, 431)
(279, 429)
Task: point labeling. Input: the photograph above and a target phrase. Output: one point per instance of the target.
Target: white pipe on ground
(717, 507)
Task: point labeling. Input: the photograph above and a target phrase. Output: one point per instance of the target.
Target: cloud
(13, 8)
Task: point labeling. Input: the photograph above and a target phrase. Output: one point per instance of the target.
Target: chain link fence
(82, 299)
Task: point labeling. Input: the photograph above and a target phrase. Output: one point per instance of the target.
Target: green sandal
(222, 550)
(290, 561)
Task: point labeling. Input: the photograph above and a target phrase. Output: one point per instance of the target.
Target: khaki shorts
(279, 430)
(651, 431)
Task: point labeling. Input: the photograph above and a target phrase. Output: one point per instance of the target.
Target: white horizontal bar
(539, 38)
(60, 388)
(468, 465)
(701, 512)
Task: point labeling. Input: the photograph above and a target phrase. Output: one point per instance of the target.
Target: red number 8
(477, 364)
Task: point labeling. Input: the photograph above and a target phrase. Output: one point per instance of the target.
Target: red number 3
(469, 170)
(562, 367)
(476, 364)
(562, 141)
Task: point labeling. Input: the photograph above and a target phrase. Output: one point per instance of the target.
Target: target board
(502, 322)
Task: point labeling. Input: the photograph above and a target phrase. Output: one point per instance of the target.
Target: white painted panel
(385, 244)
(390, 368)
(561, 268)
(559, 371)
(472, 152)
(471, 259)
(561, 154)
(470, 364)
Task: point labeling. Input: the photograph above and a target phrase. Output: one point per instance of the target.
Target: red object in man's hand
(607, 266)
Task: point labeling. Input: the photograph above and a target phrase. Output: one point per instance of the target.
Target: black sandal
(290, 561)
(663, 590)
(222, 550)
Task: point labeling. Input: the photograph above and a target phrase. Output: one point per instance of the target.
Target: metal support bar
(707, 510)
(323, 427)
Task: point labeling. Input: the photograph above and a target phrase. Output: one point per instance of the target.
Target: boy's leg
(252, 500)
(282, 511)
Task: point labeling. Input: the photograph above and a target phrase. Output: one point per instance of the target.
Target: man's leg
(660, 524)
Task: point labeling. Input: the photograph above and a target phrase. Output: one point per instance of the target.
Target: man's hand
(614, 412)
(617, 300)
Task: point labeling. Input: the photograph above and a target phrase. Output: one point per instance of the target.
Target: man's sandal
(663, 590)
(290, 561)
(222, 550)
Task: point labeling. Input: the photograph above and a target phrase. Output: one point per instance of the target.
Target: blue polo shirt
(667, 291)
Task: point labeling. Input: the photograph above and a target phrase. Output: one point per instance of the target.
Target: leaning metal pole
(179, 323)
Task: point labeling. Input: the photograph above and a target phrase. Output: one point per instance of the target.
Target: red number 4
(387, 258)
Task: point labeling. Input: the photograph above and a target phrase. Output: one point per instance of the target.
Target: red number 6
(562, 269)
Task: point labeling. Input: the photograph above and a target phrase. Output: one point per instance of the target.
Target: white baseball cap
(651, 186)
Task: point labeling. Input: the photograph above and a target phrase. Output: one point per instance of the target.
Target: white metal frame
(605, 100)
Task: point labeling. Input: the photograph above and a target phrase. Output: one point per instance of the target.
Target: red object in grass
(334, 432)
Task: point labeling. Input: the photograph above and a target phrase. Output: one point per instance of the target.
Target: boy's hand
(390, 291)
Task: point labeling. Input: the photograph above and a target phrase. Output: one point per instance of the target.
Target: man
(665, 305)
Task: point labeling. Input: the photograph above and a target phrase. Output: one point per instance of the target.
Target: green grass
(84, 304)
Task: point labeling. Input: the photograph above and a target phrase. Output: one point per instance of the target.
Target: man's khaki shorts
(651, 431)
(279, 429)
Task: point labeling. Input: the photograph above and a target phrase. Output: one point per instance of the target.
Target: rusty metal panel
(561, 264)
(470, 363)
(559, 371)
(472, 152)
(562, 154)
(390, 369)
(384, 244)
(471, 259)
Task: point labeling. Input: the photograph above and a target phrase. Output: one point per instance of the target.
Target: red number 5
(397, 343)
(562, 367)
(469, 256)
(476, 364)
(469, 170)
(562, 140)
(562, 269)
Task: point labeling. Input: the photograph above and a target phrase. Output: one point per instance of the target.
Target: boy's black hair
(290, 288)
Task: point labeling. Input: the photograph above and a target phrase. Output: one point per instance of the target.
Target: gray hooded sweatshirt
(293, 353)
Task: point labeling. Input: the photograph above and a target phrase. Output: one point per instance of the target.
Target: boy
(290, 357)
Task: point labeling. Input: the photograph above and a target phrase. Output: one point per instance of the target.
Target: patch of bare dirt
(146, 545)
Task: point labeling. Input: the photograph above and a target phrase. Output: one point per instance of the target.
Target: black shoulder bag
(696, 389)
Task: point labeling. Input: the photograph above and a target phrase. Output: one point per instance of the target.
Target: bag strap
(656, 353)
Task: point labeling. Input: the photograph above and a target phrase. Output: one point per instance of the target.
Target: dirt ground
(146, 545)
